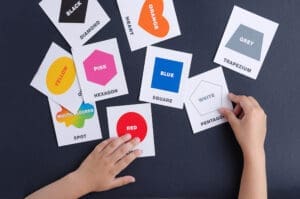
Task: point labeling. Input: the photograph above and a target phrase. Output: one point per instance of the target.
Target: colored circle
(132, 123)
(61, 75)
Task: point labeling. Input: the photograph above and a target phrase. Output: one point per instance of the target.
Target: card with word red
(245, 43)
(77, 20)
(56, 78)
(204, 95)
(75, 128)
(165, 73)
(100, 70)
(148, 21)
(134, 119)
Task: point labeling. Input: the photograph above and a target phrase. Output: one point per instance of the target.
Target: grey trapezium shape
(247, 41)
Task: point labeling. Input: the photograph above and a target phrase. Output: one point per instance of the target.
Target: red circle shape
(132, 123)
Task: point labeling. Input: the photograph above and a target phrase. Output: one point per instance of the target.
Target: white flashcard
(136, 120)
(147, 22)
(245, 43)
(165, 73)
(204, 95)
(75, 128)
(77, 20)
(56, 78)
(100, 70)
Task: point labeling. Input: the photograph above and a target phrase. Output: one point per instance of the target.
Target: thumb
(122, 181)
(230, 117)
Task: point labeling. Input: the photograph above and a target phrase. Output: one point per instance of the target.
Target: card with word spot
(136, 120)
(75, 128)
(204, 95)
(165, 73)
(148, 21)
(100, 70)
(77, 20)
(245, 43)
(56, 78)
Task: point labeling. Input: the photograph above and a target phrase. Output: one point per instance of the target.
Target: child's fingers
(244, 101)
(124, 149)
(115, 144)
(122, 181)
(230, 116)
(127, 160)
(237, 109)
(103, 144)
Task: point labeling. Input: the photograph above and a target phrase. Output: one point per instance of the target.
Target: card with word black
(77, 20)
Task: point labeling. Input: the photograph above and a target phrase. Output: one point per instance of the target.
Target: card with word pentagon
(134, 119)
(100, 70)
(165, 73)
(245, 43)
(204, 95)
(75, 128)
(56, 78)
(77, 20)
(148, 21)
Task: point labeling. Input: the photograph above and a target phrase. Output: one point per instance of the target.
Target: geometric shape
(247, 41)
(73, 11)
(151, 19)
(100, 67)
(167, 75)
(207, 97)
(132, 123)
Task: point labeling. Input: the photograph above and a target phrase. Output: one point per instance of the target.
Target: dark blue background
(205, 165)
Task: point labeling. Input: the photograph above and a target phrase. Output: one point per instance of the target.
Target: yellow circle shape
(61, 75)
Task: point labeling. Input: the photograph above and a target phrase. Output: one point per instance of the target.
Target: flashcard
(100, 70)
(245, 43)
(148, 21)
(136, 120)
(56, 78)
(77, 20)
(204, 95)
(165, 73)
(75, 128)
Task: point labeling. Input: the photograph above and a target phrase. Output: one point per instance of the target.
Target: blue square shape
(166, 75)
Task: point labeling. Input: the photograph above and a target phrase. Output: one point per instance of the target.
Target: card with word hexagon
(56, 78)
(148, 21)
(76, 128)
(77, 20)
(136, 120)
(100, 70)
(204, 95)
(245, 43)
(165, 73)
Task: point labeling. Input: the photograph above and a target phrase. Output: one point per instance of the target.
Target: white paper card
(148, 21)
(165, 73)
(245, 43)
(77, 20)
(204, 95)
(56, 78)
(136, 120)
(75, 128)
(100, 70)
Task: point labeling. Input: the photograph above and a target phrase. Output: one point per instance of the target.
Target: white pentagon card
(100, 70)
(245, 43)
(56, 78)
(75, 128)
(136, 120)
(165, 73)
(204, 95)
(77, 20)
(147, 22)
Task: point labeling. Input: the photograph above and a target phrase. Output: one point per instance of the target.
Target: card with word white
(56, 78)
(147, 22)
(100, 70)
(136, 120)
(245, 43)
(204, 95)
(75, 128)
(165, 73)
(77, 20)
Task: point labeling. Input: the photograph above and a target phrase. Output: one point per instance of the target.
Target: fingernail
(221, 110)
(133, 179)
(137, 140)
(127, 136)
(140, 152)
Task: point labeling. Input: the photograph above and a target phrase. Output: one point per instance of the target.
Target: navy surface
(206, 165)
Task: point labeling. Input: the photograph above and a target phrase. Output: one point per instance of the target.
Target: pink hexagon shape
(100, 67)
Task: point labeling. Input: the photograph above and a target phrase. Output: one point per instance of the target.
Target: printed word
(105, 93)
(237, 65)
(61, 76)
(212, 95)
(131, 128)
(79, 137)
(246, 41)
(90, 29)
(152, 13)
(128, 22)
(74, 8)
(206, 122)
(162, 99)
(167, 74)
(100, 68)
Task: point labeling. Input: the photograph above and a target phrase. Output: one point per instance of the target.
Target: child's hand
(248, 121)
(99, 170)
